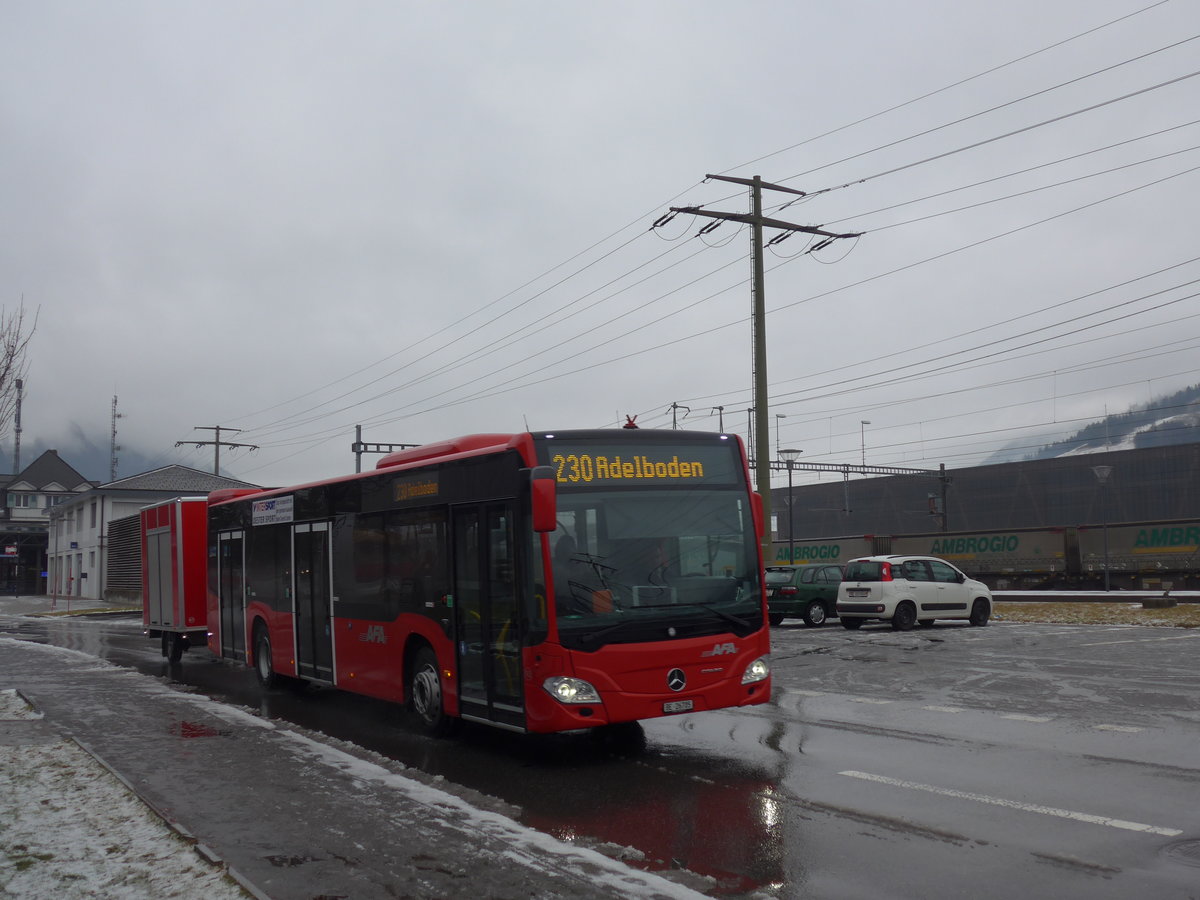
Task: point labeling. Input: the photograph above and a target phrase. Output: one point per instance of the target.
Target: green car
(802, 592)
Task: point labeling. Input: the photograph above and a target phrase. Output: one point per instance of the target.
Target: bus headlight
(571, 690)
(757, 671)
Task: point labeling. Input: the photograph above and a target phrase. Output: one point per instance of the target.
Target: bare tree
(15, 334)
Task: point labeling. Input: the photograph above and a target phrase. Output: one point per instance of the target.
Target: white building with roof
(79, 541)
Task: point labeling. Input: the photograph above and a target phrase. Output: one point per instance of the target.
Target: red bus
(538, 582)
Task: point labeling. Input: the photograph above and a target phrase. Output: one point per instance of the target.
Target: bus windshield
(647, 565)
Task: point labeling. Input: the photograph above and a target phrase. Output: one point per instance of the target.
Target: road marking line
(945, 709)
(806, 693)
(869, 700)
(1020, 718)
(1017, 805)
(1127, 729)
(1182, 637)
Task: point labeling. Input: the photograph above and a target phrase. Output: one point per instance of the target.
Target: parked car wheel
(979, 613)
(814, 614)
(905, 617)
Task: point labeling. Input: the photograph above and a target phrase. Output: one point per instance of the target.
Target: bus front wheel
(425, 694)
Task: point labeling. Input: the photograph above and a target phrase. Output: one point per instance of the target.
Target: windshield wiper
(728, 617)
(592, 636)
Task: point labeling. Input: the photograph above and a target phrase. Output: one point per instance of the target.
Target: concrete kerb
(205, 852)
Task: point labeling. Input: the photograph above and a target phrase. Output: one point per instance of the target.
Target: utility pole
(216, 443)
(756, 221)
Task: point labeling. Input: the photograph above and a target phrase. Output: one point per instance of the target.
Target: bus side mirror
(543, 496)
(760, 522)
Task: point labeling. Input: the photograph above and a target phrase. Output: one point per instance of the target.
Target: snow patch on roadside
(72, 830)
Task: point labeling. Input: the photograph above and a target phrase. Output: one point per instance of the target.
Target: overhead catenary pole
(761, 440)
(358, 448)
(216, 443)
(675, 407)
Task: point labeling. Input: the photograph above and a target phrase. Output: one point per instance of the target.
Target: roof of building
(47, 469)
(181, 479)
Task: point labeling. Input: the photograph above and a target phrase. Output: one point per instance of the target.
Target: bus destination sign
(689, 464)
(415, 487)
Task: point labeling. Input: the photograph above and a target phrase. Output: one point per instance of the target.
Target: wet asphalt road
(1012, 760)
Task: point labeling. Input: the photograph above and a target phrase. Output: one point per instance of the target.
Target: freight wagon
(1137, 556)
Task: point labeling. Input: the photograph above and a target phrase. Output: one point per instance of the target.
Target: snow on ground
(1185, 615)
(69, 829)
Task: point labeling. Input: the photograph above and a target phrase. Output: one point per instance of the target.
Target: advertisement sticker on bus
(272, 512)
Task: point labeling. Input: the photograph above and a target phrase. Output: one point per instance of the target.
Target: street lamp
(1102, 473)
(789, 460)
(862, 429)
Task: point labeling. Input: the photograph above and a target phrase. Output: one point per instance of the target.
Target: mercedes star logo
(676, 680)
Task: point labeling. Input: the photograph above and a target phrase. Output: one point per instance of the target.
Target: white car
(908, 591)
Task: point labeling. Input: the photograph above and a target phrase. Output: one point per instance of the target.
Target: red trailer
(174, 573)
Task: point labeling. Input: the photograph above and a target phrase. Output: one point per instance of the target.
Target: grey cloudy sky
(434, 219)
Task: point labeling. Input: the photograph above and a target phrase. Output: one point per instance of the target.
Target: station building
(93, 542)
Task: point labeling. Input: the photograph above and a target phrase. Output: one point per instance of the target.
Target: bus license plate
(859, 592)
(677, 706)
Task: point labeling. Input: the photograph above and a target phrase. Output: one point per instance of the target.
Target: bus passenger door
(489, 642)
(231, 590)
(312, 604)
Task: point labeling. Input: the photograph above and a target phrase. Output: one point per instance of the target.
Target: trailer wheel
(262, 659)
(178, 643)
(425, 694)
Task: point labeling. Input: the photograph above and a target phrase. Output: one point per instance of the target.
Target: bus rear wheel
(263, 667)
(425, 694)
